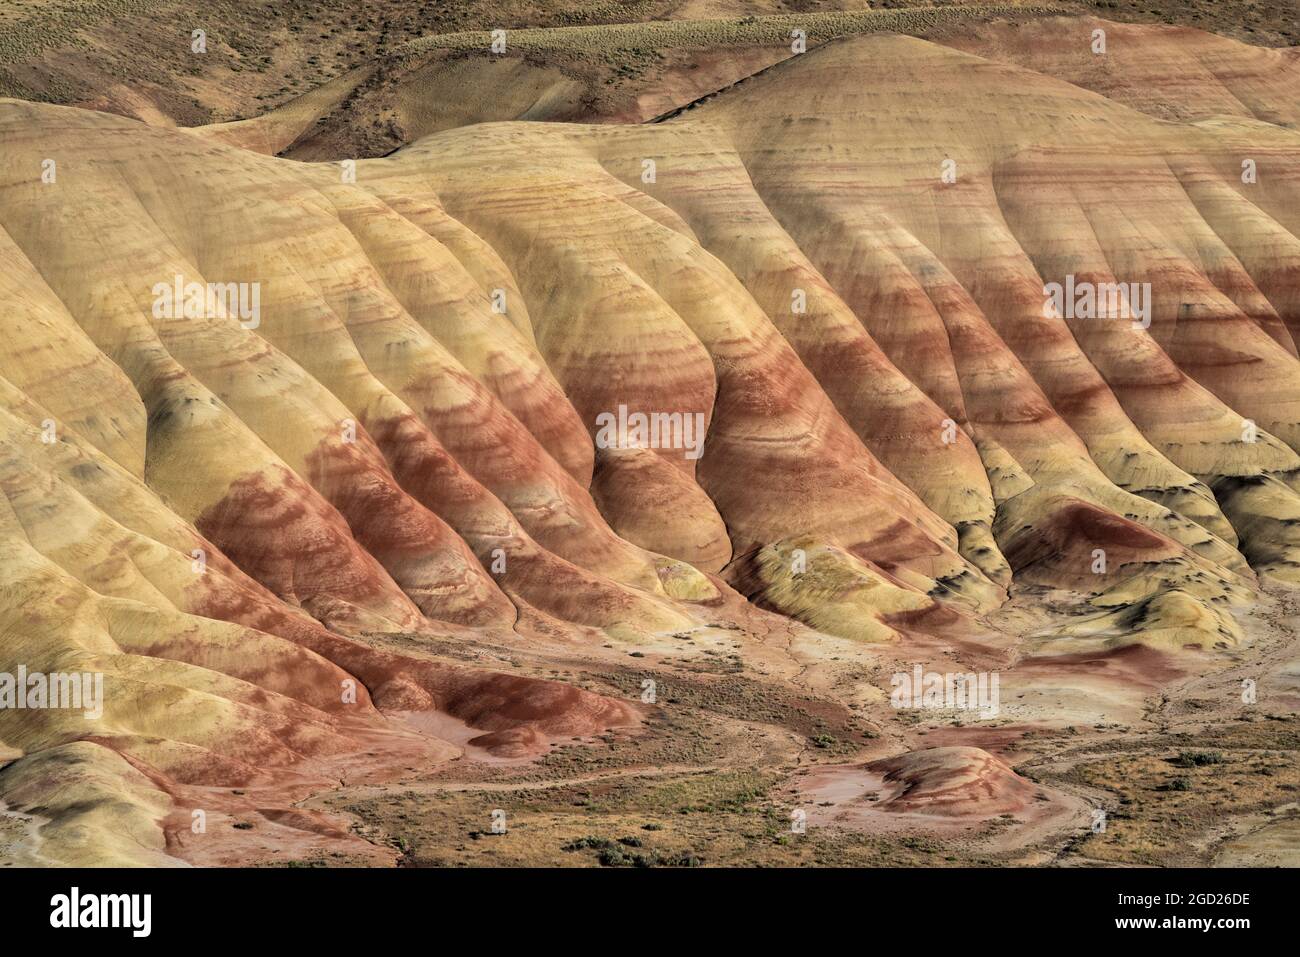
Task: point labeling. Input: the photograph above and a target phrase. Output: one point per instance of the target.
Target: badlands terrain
(320, 442)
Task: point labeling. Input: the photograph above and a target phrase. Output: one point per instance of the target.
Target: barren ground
(1198, 778)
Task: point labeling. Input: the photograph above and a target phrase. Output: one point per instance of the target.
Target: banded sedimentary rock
(872, 339)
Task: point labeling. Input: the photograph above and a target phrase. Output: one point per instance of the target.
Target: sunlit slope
(1050, 181)
(1169, 72)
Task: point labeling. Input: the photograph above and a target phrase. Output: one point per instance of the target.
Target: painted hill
(591, 388)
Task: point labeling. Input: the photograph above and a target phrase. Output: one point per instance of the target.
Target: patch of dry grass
(740, 31)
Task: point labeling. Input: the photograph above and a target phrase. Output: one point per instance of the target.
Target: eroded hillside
(334, 472)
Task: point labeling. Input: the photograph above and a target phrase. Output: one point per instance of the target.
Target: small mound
(518, 742)
(826, 588)
(1062, 543)
(520, 714)
(953, 792)
(1170, 620)
(953, 782)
